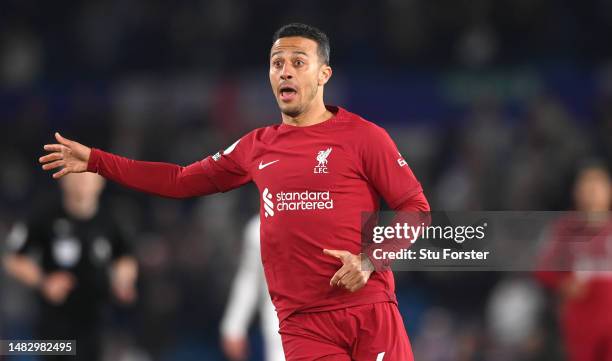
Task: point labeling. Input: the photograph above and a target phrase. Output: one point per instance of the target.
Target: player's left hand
(123, 279)
(355, 271)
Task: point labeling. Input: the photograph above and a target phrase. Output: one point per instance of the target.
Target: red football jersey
(584, 251)
(314, 183)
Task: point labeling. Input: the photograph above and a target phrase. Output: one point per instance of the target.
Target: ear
(324, 74)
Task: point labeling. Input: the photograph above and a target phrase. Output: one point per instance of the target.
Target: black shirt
(84, 247)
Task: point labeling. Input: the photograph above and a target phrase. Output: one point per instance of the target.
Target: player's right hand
(573, 288)
(68, 154)
(57, 286)
(235, 348)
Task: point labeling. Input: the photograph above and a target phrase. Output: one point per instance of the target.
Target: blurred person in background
(73, 254)
(513, 321)
(331, 302)
(250, 292)
(582, 243)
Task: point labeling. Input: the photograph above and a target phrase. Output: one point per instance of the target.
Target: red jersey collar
(338, 113)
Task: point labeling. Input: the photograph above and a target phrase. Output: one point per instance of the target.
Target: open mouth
(287, 93)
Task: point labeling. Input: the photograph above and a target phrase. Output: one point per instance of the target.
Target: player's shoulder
(355, 121)
(244, 144)
(263, 133)
(359, 127)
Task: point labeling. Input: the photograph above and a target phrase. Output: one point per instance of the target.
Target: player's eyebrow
(293, 52)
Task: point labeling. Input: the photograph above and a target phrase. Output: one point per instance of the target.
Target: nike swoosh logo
(263, 165)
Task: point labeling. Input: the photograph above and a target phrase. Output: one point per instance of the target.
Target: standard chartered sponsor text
(305, 200)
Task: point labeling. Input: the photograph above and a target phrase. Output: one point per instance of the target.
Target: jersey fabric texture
(586, 248)
(314, 182)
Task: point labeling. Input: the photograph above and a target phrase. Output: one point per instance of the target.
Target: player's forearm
(416, 203)
(236, 319)
(163, 179)
(414, 211)
(24, 269)
(242, 302)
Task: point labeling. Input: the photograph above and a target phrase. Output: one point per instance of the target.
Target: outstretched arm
(164, 179)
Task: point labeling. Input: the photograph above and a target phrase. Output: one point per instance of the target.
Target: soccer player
(583, 243)
(316, 171)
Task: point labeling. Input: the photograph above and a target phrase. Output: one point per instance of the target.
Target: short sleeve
(230, 168)
(385, 168)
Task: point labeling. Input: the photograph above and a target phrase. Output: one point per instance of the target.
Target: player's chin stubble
(296, 110)
(292, 111)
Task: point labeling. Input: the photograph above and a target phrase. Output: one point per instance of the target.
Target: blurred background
(493, 104)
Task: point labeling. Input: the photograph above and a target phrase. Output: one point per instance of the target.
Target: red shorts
(373, 332)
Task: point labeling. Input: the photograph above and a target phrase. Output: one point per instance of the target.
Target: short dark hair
(309, 32)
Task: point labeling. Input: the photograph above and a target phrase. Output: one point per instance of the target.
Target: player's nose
(286, 73)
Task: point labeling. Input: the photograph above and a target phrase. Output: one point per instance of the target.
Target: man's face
(593, 191)
(296, 73)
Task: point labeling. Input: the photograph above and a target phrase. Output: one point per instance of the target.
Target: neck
(314, 115)
(80, 210)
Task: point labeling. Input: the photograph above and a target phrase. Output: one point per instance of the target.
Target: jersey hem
(350, 300)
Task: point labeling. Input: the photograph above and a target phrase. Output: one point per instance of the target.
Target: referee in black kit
(72, 254)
